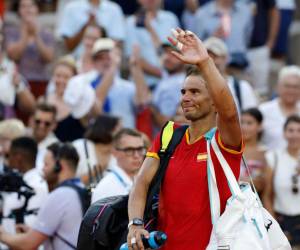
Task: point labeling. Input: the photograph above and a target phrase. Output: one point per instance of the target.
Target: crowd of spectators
(99, 76)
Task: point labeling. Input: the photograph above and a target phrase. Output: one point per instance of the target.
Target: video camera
(11, 180)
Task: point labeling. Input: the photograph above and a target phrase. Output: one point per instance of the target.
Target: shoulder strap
(237, 90)
(65, 241)
(170, 139)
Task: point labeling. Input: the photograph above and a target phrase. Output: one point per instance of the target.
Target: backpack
(104, 226)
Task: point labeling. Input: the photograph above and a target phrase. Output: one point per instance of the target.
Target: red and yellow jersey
(184, 210)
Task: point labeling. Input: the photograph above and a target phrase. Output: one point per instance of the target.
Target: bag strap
(170, 138)
(237, 90)
(64, 241)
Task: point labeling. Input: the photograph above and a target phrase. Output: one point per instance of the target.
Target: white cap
(216, 46)
(103, 44)
(79, 96)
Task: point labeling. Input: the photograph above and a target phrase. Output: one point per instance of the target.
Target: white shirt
(82, 168)
(248, 97)
(11, 201)
(116, 182)
(76, 14)
(42, 149)
(285, 201)
(286, 4)
(273, 122)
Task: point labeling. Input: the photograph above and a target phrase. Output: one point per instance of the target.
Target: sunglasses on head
(39, 122)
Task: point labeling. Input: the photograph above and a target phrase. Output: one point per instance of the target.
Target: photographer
(60, 216)
(22, 155)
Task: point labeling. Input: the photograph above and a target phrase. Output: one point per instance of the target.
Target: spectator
(77, 15)
(91, 34)
(22, 157)
(283, 187)
(95, 150)
(251, 124)
(10, 129)
(230, 21)
(59, 218)
(241, 90)
(31, 46)
(149, 29)
(13, 88)
(276, 111)
(265, 29)
(129, 150)
(64, 69)
(43, 125)
(188, 17)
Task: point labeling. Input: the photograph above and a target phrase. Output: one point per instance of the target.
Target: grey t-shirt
(61, 214)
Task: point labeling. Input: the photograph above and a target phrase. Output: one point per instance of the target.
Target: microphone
(155, 241)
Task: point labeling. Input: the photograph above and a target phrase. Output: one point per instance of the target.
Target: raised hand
(190, 48)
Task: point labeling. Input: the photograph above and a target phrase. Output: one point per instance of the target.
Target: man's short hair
(68, 153)
(192, 70)
(27, 146)
(290, 119)
(46, 107)
(291, 70)
(123, 132)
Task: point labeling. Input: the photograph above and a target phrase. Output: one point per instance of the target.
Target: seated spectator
(10, 129)
(95, 150)
(149, 29)
(59, 218)
(30, 46)
(251, 125)
(91, 34)
(129, 150)
(63, 71)
(22, 157)
(242, 91)
(230, 21)
(188, 17)
(13, 88)
(283, 184)
(77, 15)
(43, 124)
(276, 111)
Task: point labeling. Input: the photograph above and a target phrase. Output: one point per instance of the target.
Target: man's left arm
(273, 21)
(30, 240)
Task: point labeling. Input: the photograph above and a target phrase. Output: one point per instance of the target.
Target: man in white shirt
(276, 111)
(77, 15)
(242, 91)
(129, 151)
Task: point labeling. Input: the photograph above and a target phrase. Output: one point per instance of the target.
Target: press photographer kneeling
(59, 217)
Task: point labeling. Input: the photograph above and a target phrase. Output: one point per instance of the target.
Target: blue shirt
(209, 20)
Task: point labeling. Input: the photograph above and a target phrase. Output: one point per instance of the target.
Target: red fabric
(38, 88)
(184, 211)
(144, 121)
(2, 8)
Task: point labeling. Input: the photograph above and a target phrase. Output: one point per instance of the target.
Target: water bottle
(155, 241)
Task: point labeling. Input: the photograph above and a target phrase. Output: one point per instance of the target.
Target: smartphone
(140, 18)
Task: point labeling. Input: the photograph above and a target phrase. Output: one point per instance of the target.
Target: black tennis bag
(104, 226)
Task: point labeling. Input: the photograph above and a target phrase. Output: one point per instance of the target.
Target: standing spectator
(283, 182)
(77, 15)
(43, 125)
(251, 124)
(31, 46)
(241, 90)
(22, 157)
(95, 150)
(59, 218)
(230, 21)
(63, 71)
(149, 29)
(129, 151)
(276, 111)
(265, 29)
(188, 17)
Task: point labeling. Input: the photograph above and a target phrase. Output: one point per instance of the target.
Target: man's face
(289, 89)
(170, 62)
(48, 170)
(195, 100)
(102, 61)
(43, 124)
(150, 4)
(91, 34)
(130, 153)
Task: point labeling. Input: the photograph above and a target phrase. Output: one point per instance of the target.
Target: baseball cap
(216, 46)
(79, 96)
(103, 44)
